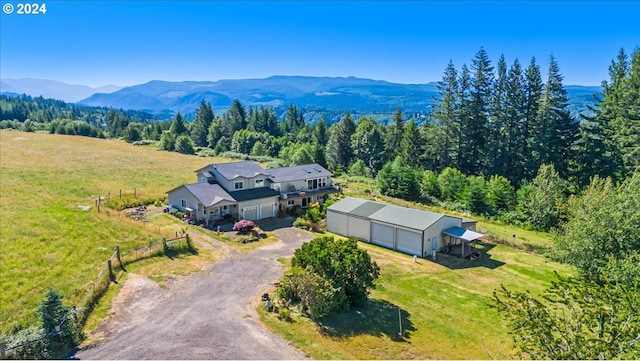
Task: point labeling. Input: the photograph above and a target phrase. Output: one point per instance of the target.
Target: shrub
(244, 226)
(301, 223)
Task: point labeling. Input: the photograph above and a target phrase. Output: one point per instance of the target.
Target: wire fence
(96, 288)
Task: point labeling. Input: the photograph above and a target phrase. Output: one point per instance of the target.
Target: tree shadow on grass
(376, 318)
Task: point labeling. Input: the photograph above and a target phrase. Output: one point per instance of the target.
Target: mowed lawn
(444, 308)
(47, 241)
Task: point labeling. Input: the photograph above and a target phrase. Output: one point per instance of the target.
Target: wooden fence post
(121, 193)
(98, 203)
(111, 277)
(3, 350)
(109, 195)
(120, 259)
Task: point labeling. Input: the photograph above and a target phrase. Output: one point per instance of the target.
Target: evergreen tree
(464, 114)
(497, 129)
(394, 135)
(236, 118)
(533, 95)
(320, 132)
(623, 112)
(410, 144)
(475, 157)
(339, 151)
(201, 123)
(555, 131)
(446, 114)
(513, 133)
(178, 126)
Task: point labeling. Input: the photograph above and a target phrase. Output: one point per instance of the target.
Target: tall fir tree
(201, 123)
(514, 125)
(556, 130)
(446, 115)
(410, 144)
(394, 134)
(464, 114)
(475, 160)
(497, 147)
(339, 152)
(533, 95)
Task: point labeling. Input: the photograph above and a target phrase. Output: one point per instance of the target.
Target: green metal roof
(387, 213)
(406, 217)
(367, 209)
(347, 204)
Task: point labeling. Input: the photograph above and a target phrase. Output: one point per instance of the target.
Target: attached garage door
(359, 228)
(382, 235)
(337, 223)
(251, 213)
(266, 210)
(409, 242)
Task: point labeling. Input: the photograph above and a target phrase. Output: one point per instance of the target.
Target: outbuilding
(407, 230)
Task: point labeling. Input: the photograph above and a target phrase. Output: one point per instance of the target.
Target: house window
(238, 185)
(259, 182)
(184, 204)
(312, 184)
(323, 182)
(291, 203)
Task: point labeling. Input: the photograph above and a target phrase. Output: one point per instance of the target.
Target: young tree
(368, 144)
(452, 184)
(184, 144)
(348, 267)
(576, 319)
(602, 223)
(542, 204)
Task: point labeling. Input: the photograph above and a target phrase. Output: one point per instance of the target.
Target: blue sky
(131, 42)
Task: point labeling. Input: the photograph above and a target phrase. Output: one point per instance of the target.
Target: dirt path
(208, 315)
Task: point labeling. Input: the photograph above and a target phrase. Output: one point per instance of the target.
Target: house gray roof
(245, 169)
(254, 193)
(208, 194)
(298, 172)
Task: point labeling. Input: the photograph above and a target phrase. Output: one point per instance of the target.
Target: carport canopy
(462, 233)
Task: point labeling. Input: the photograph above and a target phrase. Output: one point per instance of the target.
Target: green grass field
(444, 306)
(47, 240)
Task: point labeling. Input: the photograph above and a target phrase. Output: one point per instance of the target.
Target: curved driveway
(207, 315)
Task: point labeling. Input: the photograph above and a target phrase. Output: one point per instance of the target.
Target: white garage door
(409, 242)
(251, 213)
(382, 235)
(266, 210)
(359, 228)
(337, 223)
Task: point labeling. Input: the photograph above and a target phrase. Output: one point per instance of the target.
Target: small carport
(459, 241)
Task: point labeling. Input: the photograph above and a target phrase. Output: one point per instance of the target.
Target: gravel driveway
(207, 315)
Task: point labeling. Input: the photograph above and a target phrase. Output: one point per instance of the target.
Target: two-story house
(245, 190)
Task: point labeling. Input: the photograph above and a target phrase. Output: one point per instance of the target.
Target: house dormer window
(237, 185)
(259, 182)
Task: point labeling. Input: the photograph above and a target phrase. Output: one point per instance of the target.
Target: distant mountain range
(320, 93)
(52, 89)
